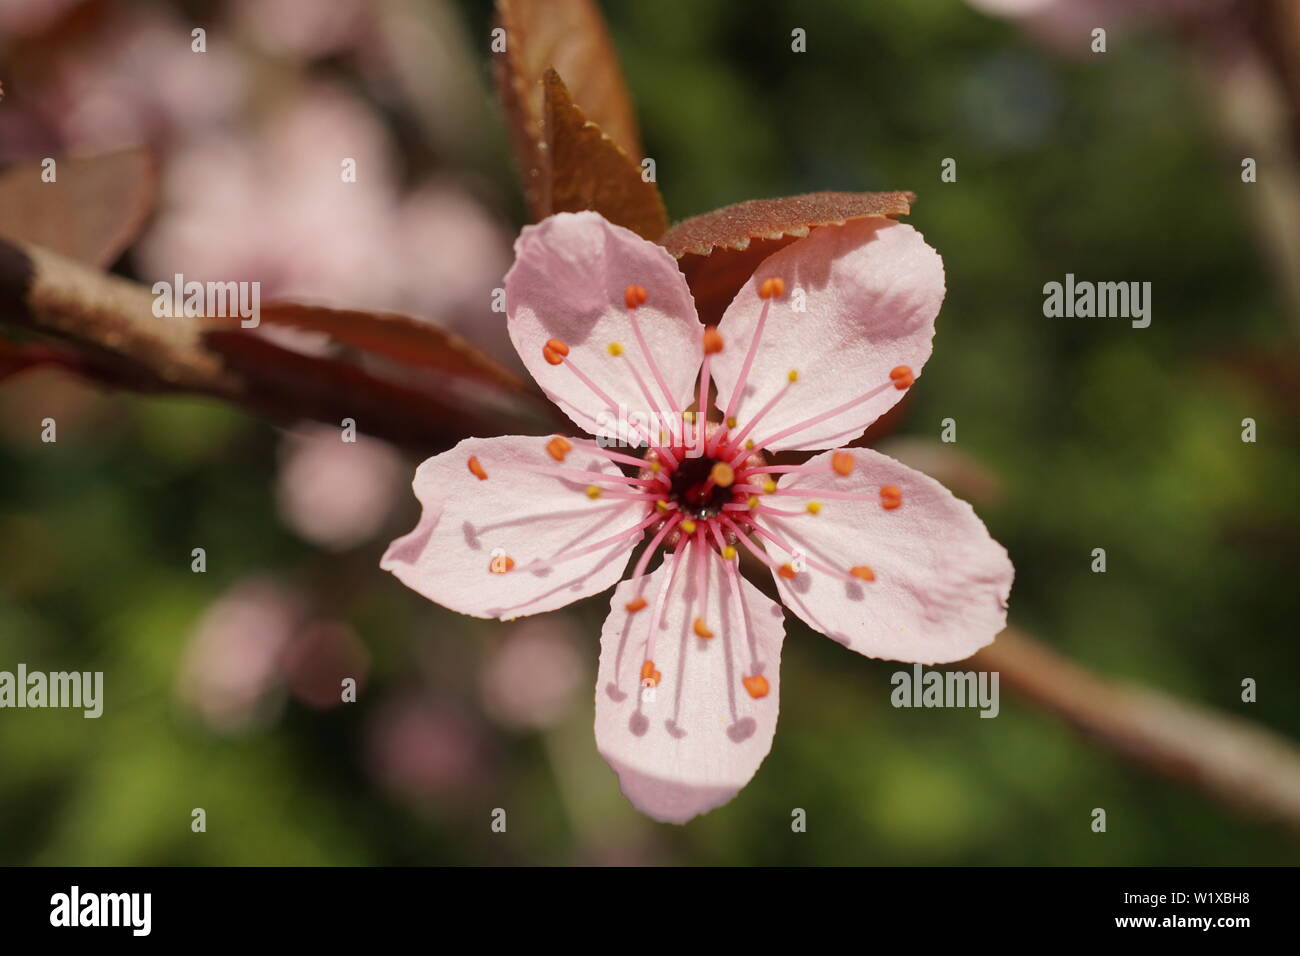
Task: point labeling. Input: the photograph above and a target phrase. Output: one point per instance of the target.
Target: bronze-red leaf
(718, 251)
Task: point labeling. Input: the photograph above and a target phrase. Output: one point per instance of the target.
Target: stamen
(579, 552)
(702, 413)
(658, 446)
(712, 340)
(765, 469)
(558, 448)
(772, 288)
(808, 559)
(587, 477)
(646, 555)
(787, 571)
(743, 434)
(615, 349)
(813, 507)
(501, 563)
(765, 293)
(902, 377)
(755, 684)
(701, 557)
(554, 351)
(722, 474)
(842, 463)
(649, 676)
(777, 512)
(823, 416)
(752, 548)
(659, 611)
(636, 604)
(593, 492)
(476, 469)
(634, 296)
(891, 496)
(632, 460)
(863, 573)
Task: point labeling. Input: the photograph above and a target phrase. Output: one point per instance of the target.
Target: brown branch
(1229, 758)
(413, 383)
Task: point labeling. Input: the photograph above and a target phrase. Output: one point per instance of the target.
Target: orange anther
(891, 496)
(553, 357)
(772, 288)
(556, 345)
(787, 571)
(756, 685)
(700, 629)
(558, 447)
(863, 573)
(902, 376)
(476, 468)
(501, 563)
(649, 675)
(723, 474)
(634, 605)
(712, 341)
(634, 295)
(842, 463)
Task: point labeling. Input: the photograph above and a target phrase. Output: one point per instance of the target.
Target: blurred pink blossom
(229, 675)
(271, 205)
(302, 28)
(417, 748)
(532, 675)
(319, 658)
(139, 81)
(333, 493)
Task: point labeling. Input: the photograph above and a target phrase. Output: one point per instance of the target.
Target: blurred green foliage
(1103, 435)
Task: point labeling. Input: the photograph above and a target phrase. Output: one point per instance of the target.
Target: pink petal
(871, 289)
(568, 282)
(701, 737)
(941, 583)
(517, 514)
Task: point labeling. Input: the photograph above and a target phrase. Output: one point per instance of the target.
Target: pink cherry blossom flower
(822, 340)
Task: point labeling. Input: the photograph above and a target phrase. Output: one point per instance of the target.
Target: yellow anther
(793, 375)
(656, 467)
(593, 492)
(615, 348)
(731, 421)
(728, 553)
(723, 474)
(752, 502)
(688, 526)
(814, 507)
(769, 487)
(749, 444)
(661, 506)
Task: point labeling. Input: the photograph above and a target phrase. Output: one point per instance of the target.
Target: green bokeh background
(1110, 167)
